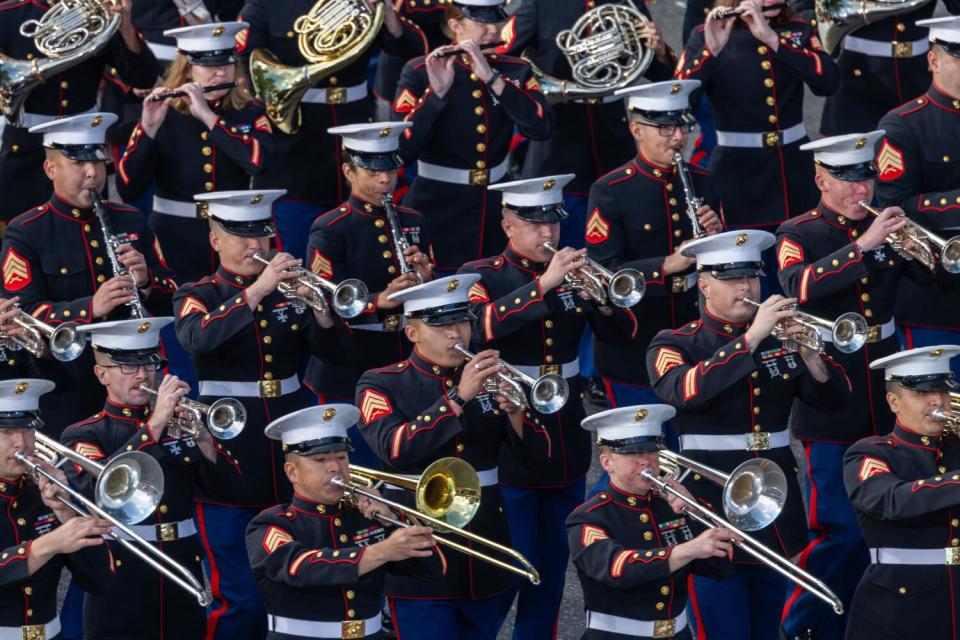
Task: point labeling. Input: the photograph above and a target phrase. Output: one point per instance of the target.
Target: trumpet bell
(627, 288)
(549, 393)
(350, 298)
(849, 332)
(950, 255)
(130, 487)
(449, 490)
(755, 493)
(226, 418)
(66, 343)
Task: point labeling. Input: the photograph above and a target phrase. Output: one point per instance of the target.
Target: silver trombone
(64, 341)
(225, 418)
(848, 332)
(623, 288)
(349, 297)
(548, 393)
(924, 242)
(128, 489)
(750, 545)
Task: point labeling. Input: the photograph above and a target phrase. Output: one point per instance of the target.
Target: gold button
(391, 269)
(644, 517)
(946, 158)
(15, 148)
(64, 103)
(474, 77)
(208, 186)
(661, 606)
(549, 359)
(647, 227)
(902, 590)
(868, 313)
(208, 168)
(770, 100)
(101, 278)
(268, 358)
(94, 243)
(164, 508)
(206, 151)
(478, 111)
(267, 339)
(765, 65)
(351, 613)
(648, 535)
(29, 613)
(477, 93)
(99, 260)
(481, 147)
(268, 375)
(772, 119)
(756, 392)
(21, 522)
(64, 84)
(865, 297)
(481, 128)
(857, 73)
(350, 594)
(28, 590)
(756, 411)
(204, 135)
(263, 324)
(664, 591)
(63, 270)
(955, 523)
(762, 50)
(343, 537)
(901, 27)
(332, 80)
(481, 164)
(460, 448)
(548, 324)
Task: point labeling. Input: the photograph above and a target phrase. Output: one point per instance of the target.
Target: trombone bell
(130, 487)
(754, 495)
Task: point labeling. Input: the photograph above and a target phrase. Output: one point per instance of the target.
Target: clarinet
(400, 244)
(693, 202)
(111, 243)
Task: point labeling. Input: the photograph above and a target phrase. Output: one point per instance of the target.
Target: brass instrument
(693, 202)
(750, 545)
(128, 489)
(400, 244)
(70, 32)
(447, 495)
(623, 288)
(848, 332)
(605, 51)
(924, 242)
(753, 494)
(548, 393)
(950, 417)
(64, 342)
(330, 36)
(111, 243)
(349, 297)
(180, 93)
(225, 418)
(837, 18)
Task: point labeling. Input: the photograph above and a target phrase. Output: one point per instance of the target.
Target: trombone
(128, 489)
(548, 393)
(225, 418)
(924, 242)
(447, 496)
(624, 288)
(750, 545)
(65, 342)
(848, 332)
(349, 297)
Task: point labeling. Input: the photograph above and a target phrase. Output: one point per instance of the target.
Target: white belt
(756, 441)
(177, 208)
(488, 478)
(567, 369)
(255, 389)
(28, 119)
(886, 330)
(166, 532)
(886, 48)
(387, 326)
(476, 177)
(318, 629)
(165, 52)
(640, 628)
(765, 139)
(50, 630)
(335, 95)
(887, 555)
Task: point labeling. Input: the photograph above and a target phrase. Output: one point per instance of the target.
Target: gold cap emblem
(257, 199)
(742, 239)
(453, 285)
(144, 327)
(549, 184)
(97, 121)
(861, 143)
(21, 388)
(328, 414)
(386, 131)
(675, 89)
(936, 353)
(218, 31)
(640, 415)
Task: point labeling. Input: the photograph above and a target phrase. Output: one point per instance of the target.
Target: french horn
(837, 18)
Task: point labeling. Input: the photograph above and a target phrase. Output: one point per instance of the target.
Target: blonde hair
(179, 74)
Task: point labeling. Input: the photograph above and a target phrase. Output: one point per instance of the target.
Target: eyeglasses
(668, 130)
(131, 369)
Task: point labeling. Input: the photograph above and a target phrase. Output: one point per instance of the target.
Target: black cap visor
(441, 316)
(20, 420)
(937, 382)
(953, 48)
(218, 58)
(375, 161)
(489, 15)
(133, 357)
(639, 444)
(84, 152)
(852, 172)
(733, 270)
(322, 445)
(679, 117)
(547, 213)
(252, 229)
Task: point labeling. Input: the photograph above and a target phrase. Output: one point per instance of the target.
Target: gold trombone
(447, 496)
(548, 393)
(128, 489)
(848, 332)
(623, 288)
(225, 418)
(924, 242)
(64, 341)
(349, 297)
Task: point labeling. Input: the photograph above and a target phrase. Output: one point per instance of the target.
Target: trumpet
(349, 297)
(447, 496)
(950, 417)
(400, 244)
(548, 393)
(848, 332)
(225, 418)
(111, 243)
(623, 289)
(924, 242)
(128, 489)
(750, 545)
(65, 342)
(693, 202)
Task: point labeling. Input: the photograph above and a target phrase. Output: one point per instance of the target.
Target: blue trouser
(620, 394)
(457, 619)
(745, 606)
(293, 220)
(836, 552)
(914, 337)
(537, 520)
(71, 614)
(237, 613)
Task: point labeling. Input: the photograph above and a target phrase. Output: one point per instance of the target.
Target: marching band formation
(323, 369)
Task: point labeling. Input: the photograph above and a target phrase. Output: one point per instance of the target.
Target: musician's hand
(169, 392)
(709, 220)
(114, 292)
(420, 262)
(479, 63)
(399, 283)
(9, 310)
(50, 492)
(772, 311)
(890, 220)
(716, 33)
(154, 112)
(482, 366)
(197, 104)
(440, 71)
(369, 507)
(127, 30)
(654, 36)
(676, 262)
(324, 319)
(135, 263)
(563, 262)
(758, 25)
(204, 440)
(713, 543)
(676, 503)
(409, 542)
(390, 18)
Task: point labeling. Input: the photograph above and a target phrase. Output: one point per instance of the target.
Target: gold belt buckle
(391, 323)
(758, 441)
(269, 388)
(167, 531)
(953, 555)
(479, 177)
(33, 632)
(873, 334)
(549, 368)
(664, 628)
(203, 210)
(336, 95)
(902, 49)
(352, 629)
(771, 139)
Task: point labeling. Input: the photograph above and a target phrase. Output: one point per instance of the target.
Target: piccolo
(725, 13)
(454, 51)
(180, 92)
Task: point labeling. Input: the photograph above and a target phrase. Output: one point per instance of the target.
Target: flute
(725, 13)
(454, 51)
(180, 93)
